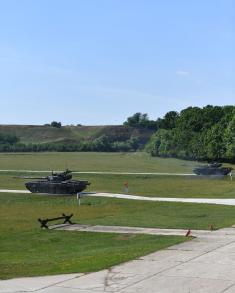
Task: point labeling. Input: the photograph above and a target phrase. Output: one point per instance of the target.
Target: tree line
(196, 133)
(103, 143)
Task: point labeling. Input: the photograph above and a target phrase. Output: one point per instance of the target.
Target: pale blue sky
(99, 61)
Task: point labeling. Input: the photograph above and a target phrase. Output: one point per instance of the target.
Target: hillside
(75, 134)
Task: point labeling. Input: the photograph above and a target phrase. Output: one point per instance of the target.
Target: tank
(57, 183)
(212, 169)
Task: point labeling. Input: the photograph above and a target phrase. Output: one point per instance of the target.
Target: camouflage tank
(212, 169)
(57, 183)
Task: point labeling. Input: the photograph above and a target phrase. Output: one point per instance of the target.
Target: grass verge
(162, 186)
(35, 253)
(27, 250)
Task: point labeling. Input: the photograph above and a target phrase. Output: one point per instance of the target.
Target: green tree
(230, 140)
(56, 124)
(215, 144)
(169, 120)
(140, 120)
(161, 144)
(102, 143)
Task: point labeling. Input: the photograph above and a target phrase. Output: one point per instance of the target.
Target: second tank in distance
(212, 169)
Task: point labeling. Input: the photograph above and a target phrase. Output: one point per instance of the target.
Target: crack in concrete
(177, 266)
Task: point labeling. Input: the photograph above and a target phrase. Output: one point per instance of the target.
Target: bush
(56, 124)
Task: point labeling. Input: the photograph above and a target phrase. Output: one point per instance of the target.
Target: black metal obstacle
(66, 219)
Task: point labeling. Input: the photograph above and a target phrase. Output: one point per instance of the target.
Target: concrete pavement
(103, 172)
(128, 230)
(203, 265)
(14, 191)
(220, 201)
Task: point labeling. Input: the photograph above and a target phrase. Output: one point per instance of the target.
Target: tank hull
(60, 188)
(212, 171)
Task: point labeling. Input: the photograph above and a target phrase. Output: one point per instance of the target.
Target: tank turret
(61, 176)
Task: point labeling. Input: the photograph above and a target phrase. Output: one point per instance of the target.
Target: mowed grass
(145, 185)
(91, 161)
(148, 185)
(22, 211)
(38, 253)
(28, 250)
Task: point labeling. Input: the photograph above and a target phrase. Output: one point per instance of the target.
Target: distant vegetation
(54, 137)
(7, 141)
(141, 121)
(195, 133)
(56, 124)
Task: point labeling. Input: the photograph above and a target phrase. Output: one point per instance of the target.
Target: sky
(96, 62)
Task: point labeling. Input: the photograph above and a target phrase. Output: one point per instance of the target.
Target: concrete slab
(203, 270)
(128, 230)
(67, 290)
(167, 284)
(173, 255)
(231, 289)
(144, 267)
(14, 191)
(219, 201)
(94, 281)
(33, 283)
(201, 246)
(230, 248)
(216, 257)
(104, 172)
(104, 281)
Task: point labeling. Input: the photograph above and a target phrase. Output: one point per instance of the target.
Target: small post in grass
(126, 187)
(79, 198)
(211, 227)
(188, 233)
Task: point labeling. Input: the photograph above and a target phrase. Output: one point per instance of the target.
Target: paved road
(14, 191)
(226, 201)
(103, 172)
(204, 265)
(128, 230)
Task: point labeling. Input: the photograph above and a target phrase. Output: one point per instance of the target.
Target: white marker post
(78, 198)
(231, 175)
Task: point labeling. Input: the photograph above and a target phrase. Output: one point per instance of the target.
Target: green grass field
(118, 162)
(22, 211)
(36, 253)
(148, 185)
(26, 250)
(162, 186)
